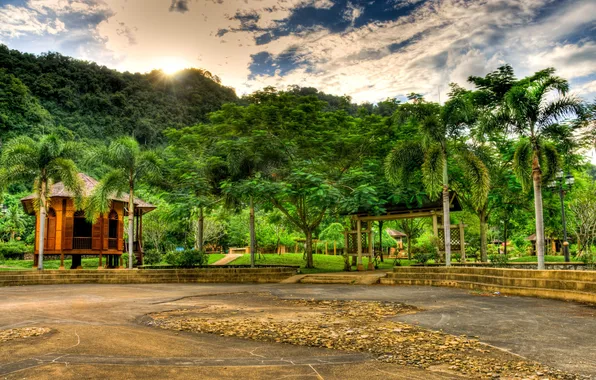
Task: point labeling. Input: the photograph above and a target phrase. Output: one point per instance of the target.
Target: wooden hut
(69, 233)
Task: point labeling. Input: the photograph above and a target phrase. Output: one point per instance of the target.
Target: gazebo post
(371, 265)
(61, 260)
(360, 267)
(462, 241)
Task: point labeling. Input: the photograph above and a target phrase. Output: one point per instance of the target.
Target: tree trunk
(131, 213)
(201, 228)
(537, 178)
(505, 238)
(409, 248)
(251, 226)
(483, 242)
(42, 224)
(308, 249)
(446, 218)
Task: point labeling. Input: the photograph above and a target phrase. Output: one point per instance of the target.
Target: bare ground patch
(350, 326)
(22, 333)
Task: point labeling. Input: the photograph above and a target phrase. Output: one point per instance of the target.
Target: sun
(171, 65)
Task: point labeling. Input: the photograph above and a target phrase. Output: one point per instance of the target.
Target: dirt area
(22, 333)
(360, 326)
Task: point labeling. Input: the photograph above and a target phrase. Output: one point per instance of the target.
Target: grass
(323, 263)
(534, 259)
(88, 263)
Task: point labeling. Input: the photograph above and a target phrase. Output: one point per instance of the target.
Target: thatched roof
(58, 190)
(395, 233)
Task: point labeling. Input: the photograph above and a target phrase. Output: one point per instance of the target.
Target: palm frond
(149, 165)
(432, 170)
(550, 161)
(113, 185)
(123, 152)
(559, 109)
(477, 177)
(433, 130)
(20, 151)
(522, 163)
(405, 158)
(64, 170)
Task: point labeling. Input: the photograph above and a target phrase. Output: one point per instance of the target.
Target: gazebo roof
(399, 210)
(395, 233)
(58, 190)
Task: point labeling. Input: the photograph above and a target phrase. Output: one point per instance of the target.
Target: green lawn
(533, 259)
(323, 263)
(90, 263)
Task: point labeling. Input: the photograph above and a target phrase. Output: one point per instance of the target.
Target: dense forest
(278, 167)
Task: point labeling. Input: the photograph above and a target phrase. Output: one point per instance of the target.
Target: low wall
(514, 265)
(558, 284)
(122, 276)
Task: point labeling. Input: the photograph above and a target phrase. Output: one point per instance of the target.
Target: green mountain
(54, 92)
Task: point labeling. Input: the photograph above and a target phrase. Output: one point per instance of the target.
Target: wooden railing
(81, 243)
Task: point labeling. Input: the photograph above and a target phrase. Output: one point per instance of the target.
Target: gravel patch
(354, 326)
(22, 333)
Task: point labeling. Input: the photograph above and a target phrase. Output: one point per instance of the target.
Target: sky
(369, 50)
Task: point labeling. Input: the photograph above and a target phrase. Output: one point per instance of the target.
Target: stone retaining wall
(122, 276)
(558, 284)
(514, 265)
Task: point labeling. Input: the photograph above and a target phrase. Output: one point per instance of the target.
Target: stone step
(568, 295)
(572, 275)
(588, 286)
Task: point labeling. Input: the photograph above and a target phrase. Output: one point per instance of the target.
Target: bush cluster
(499, 260)
(186, 258)
(424, 252)
(13, 250)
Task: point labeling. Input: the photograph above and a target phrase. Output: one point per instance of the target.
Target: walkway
(98, 332)
(227, 259)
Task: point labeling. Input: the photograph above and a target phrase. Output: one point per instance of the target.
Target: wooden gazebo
(69, 233)
(360, 238)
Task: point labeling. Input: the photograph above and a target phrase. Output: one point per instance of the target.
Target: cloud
(369, 50)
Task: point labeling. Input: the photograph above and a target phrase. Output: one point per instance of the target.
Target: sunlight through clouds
(368, 50)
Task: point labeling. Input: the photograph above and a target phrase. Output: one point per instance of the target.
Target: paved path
(97, 333)
(227, 259)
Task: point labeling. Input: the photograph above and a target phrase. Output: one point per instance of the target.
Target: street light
(562, 184)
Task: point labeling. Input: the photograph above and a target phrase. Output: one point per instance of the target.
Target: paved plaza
(99, 331)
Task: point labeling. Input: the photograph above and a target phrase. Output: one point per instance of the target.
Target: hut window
(82, 228)
(113, 225)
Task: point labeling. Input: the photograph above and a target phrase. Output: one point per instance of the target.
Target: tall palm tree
(129, 165)
(44, 162)
(439, 128)
(531, 108)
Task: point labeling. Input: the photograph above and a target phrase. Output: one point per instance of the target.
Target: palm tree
(438, 127)
(45, 162)
(129, 165)
(15, 221)
(531, 109)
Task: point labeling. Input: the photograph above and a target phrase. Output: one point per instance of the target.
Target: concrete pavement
(97, 332)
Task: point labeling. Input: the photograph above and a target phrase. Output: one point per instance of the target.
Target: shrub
(424, 252)
(186, 258)
(13, 249)
(499, 260)
(152, 257)
(171, 257)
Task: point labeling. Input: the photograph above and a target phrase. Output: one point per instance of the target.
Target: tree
(129, 166)
(413, 228)
(531, 108)
(43, 162)
(439, 130)
(14, 221)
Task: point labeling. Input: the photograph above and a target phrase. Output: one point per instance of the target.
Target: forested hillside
(283, 167)
(52, 91)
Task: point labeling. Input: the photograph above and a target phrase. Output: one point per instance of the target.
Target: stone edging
(122, 276)
(557, 284)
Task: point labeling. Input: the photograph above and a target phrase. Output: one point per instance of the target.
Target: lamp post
(563, 184)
